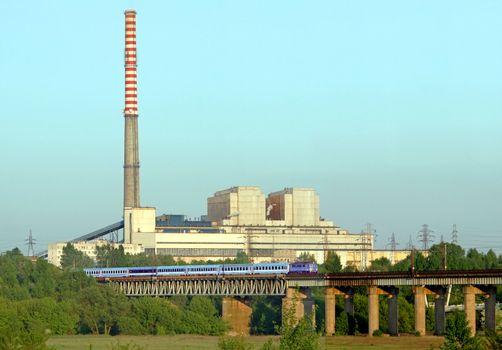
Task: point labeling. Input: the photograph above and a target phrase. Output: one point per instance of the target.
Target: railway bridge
(296, 293)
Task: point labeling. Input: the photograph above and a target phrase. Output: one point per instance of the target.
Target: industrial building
(279, 227)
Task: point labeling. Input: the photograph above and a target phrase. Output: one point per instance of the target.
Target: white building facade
(55, 251)
(280, 227)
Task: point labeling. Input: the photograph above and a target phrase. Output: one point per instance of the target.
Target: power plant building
(280, 227)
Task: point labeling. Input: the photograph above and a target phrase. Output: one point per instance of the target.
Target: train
(278, 268)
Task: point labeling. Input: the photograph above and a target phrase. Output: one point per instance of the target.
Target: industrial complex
(280, 226)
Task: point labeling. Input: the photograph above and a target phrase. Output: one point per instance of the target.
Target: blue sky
(391, 110)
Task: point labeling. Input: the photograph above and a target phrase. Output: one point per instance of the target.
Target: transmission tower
(30, 242)
(454, 234)
(393, 245)
(425, 236)
(392, 242)
(410, 244)
(366, 242)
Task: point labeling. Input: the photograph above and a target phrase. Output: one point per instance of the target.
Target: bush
(130, 326)
(342, 324)
(377, 333)
(457, 334)
(128, 346)
(297, 334)
(269, 345)
(233, 343)
(266, 315)
(32, 336)
(493, 340)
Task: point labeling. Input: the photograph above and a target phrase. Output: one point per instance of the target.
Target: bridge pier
(490, 307)
(393, 313)
(238, 314)
(392, 309)
(330, 294)
(373, 314)
(301, 303)
(349, 301)
(330, 310)
(420, 294)
(470, 292)
(439, 310)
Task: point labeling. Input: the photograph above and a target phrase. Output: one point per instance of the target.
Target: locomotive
(279, 268)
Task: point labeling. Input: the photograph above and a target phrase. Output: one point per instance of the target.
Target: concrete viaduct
(296, 293)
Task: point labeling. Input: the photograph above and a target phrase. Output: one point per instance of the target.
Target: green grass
(195, 342)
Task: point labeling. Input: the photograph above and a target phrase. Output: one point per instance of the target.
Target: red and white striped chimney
(131, 145)
(131, 87)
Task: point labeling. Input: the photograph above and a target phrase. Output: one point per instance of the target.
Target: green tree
(457, 334)
(381, 264)
(42, 279)
(297, 334)
(491, 261)
(130, 326)
(266, 314)
(200, 317)
(158, 316)
(342, 324)
(241, 258)
(453, 253)
(475, 259)
(306, 257)
(19, 334)
(109, 256)
(332, 263)
(59, 318)
(71, 282)
(74, 259)
(100, 308)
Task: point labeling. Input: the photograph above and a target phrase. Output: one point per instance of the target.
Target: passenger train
(281, 268)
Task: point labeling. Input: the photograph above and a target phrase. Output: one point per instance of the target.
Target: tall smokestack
(131, 151)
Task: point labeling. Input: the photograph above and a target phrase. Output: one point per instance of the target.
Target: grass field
(194, 342)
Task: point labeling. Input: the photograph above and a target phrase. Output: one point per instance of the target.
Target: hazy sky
(391, 110)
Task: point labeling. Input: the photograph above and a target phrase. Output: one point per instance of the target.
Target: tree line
(38, 299)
